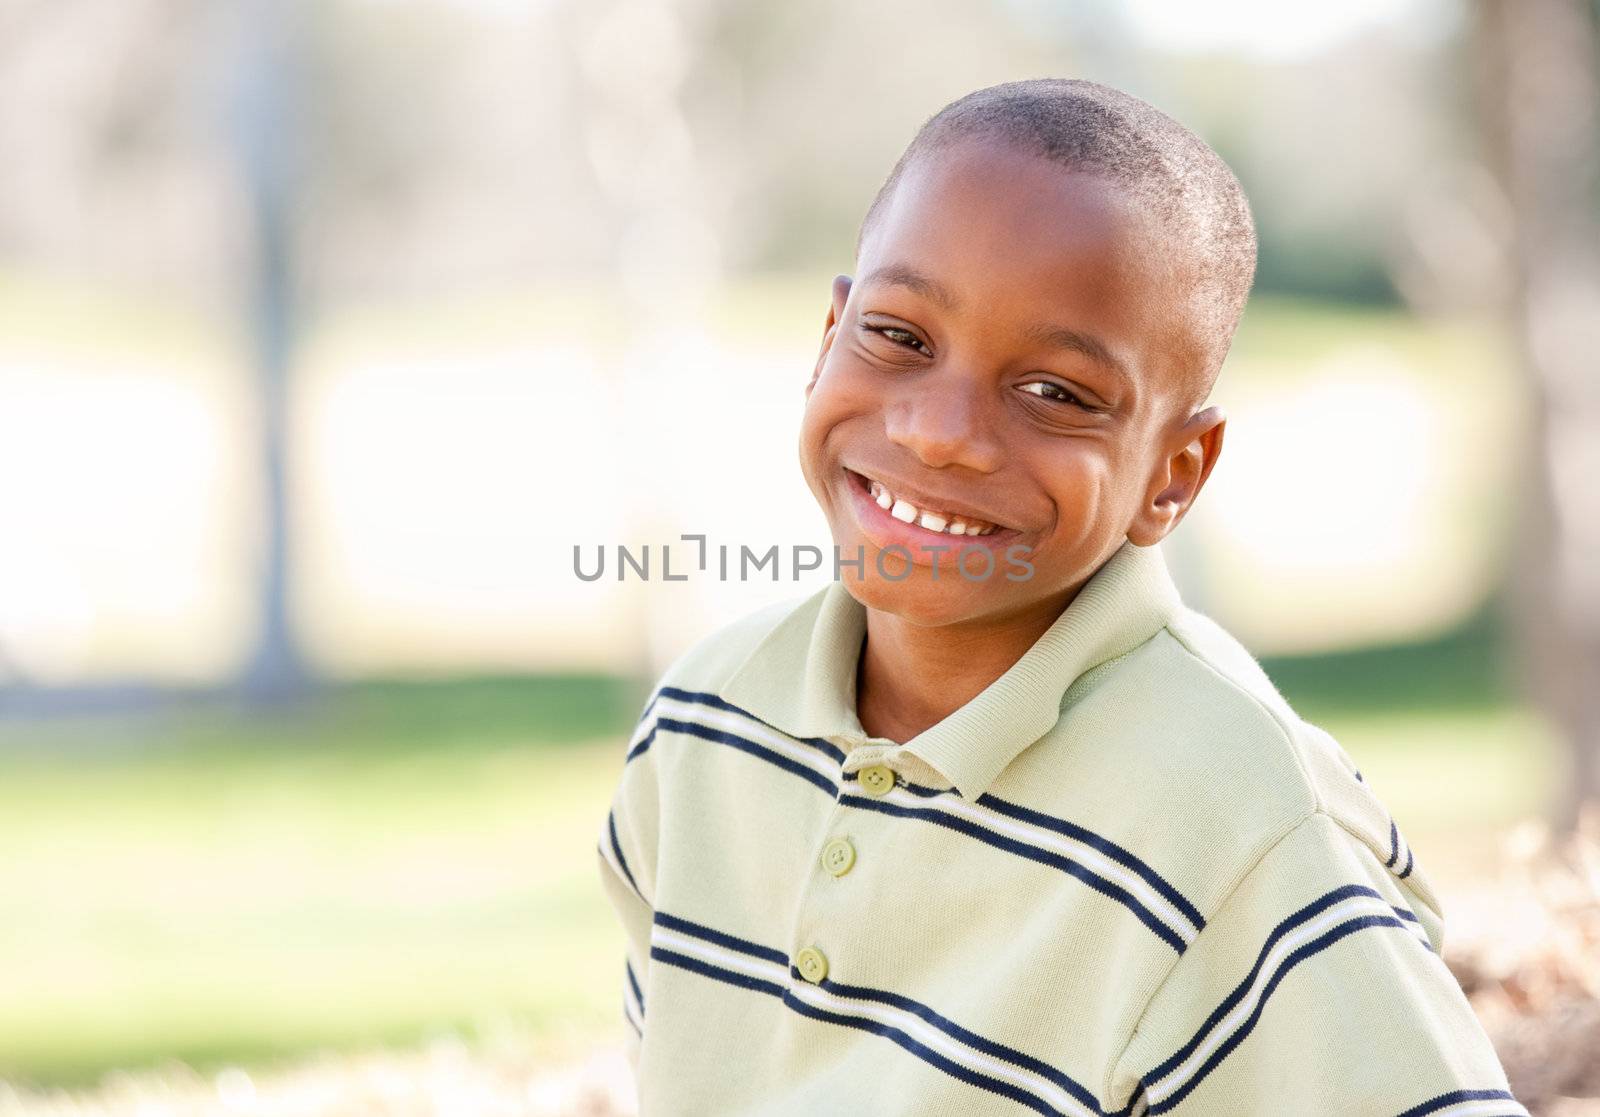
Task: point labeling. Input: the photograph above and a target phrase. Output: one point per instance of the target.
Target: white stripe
(727, 959)
(730, 722)
(1356, 905)
(888, 1015)
(1057, 843)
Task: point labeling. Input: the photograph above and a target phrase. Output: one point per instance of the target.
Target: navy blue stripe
(1298, 955)
(955, 1070)
(642, 746)
(1072, 830)
(1310, 911)
(622, 862)
(1104, 845)
(1433, 1105)
(1032, 853)
(1412, 918)
(1359, 776)
(716, 702)
(1394, 845)
(632, 1023)
(705, 969)
(721, 938)
(1405, 872)
(706, 733)
(633, 982)
(928, 1055)
(956, 1031)
(1415, 924)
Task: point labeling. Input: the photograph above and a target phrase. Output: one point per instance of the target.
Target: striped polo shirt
(1126, 878)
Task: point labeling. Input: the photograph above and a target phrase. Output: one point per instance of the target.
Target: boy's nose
(945, 424)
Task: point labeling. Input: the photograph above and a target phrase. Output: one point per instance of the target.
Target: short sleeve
(626, 849)
(1315, 989)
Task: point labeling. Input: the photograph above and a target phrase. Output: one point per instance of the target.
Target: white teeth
(906, 512)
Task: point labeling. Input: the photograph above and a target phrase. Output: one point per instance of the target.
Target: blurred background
(332, 334)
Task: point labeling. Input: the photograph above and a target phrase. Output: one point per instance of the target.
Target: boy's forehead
(1029, 188)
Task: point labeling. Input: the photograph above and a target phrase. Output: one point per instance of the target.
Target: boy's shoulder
(1190, 730)
(712, 660)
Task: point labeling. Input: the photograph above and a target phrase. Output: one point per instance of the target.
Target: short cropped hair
(1171, 174)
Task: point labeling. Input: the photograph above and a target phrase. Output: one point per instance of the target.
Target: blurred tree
(264, 42)
(1539, 70)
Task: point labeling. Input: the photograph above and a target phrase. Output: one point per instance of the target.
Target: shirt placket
(837, 897)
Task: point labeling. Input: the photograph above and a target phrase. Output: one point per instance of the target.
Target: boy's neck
(911, 677)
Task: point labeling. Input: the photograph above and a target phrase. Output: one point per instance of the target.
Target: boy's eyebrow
(899, 275)
(1057, 337)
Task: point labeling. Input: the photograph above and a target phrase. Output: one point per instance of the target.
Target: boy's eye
(1052, 391)
(901, 337)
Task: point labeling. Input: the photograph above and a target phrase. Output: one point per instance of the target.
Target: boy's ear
(1180, 478)
(841, 295)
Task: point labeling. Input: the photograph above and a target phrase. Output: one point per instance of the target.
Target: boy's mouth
(931, 519)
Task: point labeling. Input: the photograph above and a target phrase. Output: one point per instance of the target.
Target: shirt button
(876, 779)
(838, 855)
(812, 964)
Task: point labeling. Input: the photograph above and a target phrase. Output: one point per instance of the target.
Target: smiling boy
(1043, 839)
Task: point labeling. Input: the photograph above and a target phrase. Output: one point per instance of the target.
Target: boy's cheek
(821, 415)
(810, 448)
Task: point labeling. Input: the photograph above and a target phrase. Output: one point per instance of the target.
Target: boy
(1046, 840)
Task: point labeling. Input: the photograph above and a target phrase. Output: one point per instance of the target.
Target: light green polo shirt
(1125, 878)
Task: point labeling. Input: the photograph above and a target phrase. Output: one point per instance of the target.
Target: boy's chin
(922, 600)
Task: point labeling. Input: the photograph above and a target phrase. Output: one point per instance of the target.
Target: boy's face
(1007, 363)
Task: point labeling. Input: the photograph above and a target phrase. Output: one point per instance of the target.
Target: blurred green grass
(391, 862)
(398, 860)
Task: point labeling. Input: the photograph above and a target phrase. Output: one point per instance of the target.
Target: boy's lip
(925, 500)
(885, 531)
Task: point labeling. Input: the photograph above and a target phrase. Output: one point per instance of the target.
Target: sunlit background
(329, 331)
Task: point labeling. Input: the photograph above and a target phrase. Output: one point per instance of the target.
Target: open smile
(891, 516)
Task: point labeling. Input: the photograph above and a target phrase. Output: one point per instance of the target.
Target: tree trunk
(276, 672)
(1539, 69)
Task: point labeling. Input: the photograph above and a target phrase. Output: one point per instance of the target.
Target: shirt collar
(801, 678)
